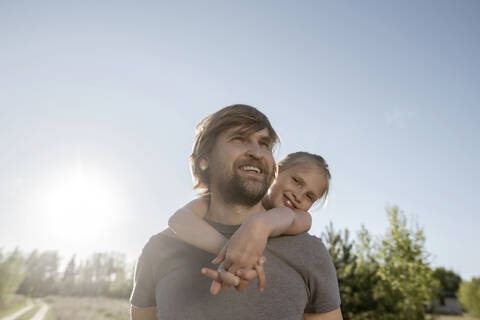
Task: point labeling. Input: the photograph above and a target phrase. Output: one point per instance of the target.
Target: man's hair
(247, 117)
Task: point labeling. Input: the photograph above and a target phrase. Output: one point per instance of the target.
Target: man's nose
(254, 151)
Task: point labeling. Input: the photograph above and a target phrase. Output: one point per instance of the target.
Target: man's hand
(223, 279)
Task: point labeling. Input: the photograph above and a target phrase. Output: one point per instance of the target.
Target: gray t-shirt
(300, 279)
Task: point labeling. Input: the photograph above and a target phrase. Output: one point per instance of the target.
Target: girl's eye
(310, 197)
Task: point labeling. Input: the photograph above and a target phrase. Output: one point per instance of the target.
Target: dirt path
(19, 312)
(41, 312)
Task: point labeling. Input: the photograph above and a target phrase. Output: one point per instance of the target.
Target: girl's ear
(203, 164)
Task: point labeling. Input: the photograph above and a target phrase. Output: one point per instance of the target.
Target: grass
(30, 313)
(50, 315)
(12, 304)
(444, 317)
(94, 308)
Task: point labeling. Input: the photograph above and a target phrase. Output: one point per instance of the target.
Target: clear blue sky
(98, 103)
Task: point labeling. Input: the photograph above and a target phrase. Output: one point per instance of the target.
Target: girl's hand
(246, 246)
(223, 279)
(241, 256)
(247, 275)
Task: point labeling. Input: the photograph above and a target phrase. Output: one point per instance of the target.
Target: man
(301, 276)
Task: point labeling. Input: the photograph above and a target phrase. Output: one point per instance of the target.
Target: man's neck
(230, 214)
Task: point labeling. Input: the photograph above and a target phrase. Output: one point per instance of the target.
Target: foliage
(469, 296)
(449, 280)
(388, 278)
(104, 274)
(67, 281)
(11, 273)
(356, 273)
(406, 285)
(37, 275)
(41, 274)
(122, 284)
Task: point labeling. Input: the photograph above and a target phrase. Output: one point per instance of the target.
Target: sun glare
(78, 205)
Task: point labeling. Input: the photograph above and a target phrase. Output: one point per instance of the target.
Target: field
(12, 304)
(98, 308)
(441, 317)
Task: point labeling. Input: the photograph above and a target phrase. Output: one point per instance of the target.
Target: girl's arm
(248, 243)
(188, 225)
(283, 220)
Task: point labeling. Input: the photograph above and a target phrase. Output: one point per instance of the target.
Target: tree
(68, 282)
(469, 296)
(41, 274)
(103, 274)
(366, 276)
(341, 250)
(122, 283)
(406, 285)
(11, 273)
(356, 269)
(449, 280)
(387, 278)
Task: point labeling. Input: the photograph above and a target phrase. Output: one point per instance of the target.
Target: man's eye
(295, 180)
(237, 139)
(310, 197)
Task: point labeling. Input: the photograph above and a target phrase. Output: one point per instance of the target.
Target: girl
(303, 178)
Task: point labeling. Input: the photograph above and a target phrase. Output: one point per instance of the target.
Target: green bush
(469, 296)
(387, 278)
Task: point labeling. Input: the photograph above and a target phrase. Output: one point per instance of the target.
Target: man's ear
(203, 164)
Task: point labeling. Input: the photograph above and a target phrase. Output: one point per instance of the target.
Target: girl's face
(297, 187)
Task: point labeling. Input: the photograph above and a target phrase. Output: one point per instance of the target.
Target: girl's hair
(294, 158)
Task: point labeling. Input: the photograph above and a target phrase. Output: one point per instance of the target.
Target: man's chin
(254, 187)
(248, 194)
(244, 189)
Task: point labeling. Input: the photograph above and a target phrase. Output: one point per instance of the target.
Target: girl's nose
(295, 198)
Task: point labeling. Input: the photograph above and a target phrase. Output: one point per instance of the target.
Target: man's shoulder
(164, 240)
(305, 253)
(303, 242)
(302, 249)
(164, 235)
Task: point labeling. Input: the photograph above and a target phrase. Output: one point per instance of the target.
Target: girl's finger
(220, 256)
(229, 279)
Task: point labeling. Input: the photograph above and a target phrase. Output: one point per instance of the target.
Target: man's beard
(244, 190)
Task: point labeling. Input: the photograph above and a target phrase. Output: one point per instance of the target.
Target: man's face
(241, 166)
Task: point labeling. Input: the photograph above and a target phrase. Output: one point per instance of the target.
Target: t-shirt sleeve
(143, 293)
(322, 282)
